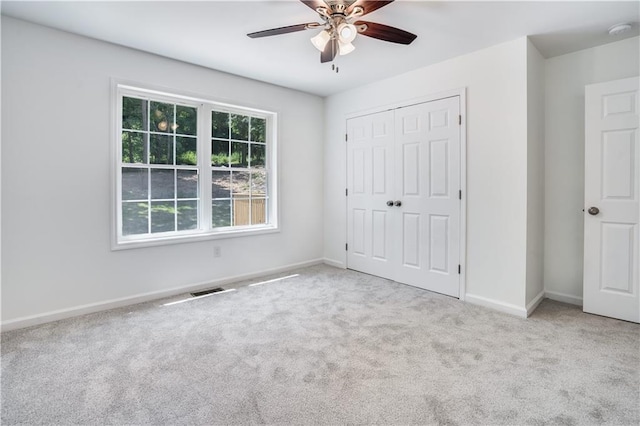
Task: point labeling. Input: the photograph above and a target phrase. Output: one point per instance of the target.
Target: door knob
(390, 203)
(398, 203)
(593, 211)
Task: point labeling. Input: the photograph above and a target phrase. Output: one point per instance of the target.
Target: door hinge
(346, 137)
(460, 194)
(346, 192)
(346, 247)
(459, 269)
(460, 120)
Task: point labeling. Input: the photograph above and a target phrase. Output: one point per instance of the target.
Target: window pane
(239, 127)
(187, 183)
(135, 184)
(240, 184)
(220, 184)
(186, 151)
(221, 213)
(258, 129)
(134, 114)
(219, 125)
(220, 153)
(134, 147)
(187, 215)
(161, 149)
(257, 156)
(162, 184)
(241, 213)
(135, 218)
(163, 215)
(186, 120)
(239, 154)
(258, 211)
(258, 184)
(162, 119)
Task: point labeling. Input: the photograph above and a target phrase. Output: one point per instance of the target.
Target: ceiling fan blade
(283, 30)
(385, 32)
(330, 51)
(369, 5)
(314, 4)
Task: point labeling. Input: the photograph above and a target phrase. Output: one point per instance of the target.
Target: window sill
(192, 238)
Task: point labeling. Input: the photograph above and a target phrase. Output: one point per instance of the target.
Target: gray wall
(535, 176)
(56, 253)
(57, 173)
(496, 83)
(565, 78)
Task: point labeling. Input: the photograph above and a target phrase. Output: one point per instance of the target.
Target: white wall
(56, 175)
(565, 78)
(496, 83)
(535, 176)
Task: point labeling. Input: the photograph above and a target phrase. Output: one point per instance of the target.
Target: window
(238, 176)
(188, 168)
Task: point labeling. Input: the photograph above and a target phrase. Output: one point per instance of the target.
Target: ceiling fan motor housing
(339, 6)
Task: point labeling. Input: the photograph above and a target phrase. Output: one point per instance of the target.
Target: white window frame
(205, 231)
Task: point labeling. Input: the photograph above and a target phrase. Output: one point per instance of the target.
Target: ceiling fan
(340, 25)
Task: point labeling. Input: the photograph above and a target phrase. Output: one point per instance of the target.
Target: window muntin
(191, 168)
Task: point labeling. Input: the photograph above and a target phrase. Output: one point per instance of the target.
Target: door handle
(593, 211)
(398, 203)
(390, 203)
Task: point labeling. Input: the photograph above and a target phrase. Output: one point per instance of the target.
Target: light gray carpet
(326, 347)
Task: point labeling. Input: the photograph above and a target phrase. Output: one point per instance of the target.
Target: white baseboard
(534, 303)
(334, 263)
(90, 308)
(496, 305)
(565, 298)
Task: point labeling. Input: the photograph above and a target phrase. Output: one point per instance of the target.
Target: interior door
(427, 170)
(612, 159)
(370, 158)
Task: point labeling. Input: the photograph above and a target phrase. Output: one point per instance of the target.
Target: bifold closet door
(403, 210)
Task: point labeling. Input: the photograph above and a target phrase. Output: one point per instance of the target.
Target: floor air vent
(209, 291)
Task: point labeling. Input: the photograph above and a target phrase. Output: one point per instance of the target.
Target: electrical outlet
(216, 251)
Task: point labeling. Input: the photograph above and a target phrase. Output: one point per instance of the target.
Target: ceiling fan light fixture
(347, 32)
(345, 48)
(321, 40)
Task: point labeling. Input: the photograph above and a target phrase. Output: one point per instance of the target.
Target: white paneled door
(370, 188)
(612, 213)
(403, 169)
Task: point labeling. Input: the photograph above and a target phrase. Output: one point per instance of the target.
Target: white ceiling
(213, 33)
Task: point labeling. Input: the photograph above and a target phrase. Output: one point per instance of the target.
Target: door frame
(462, 94)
